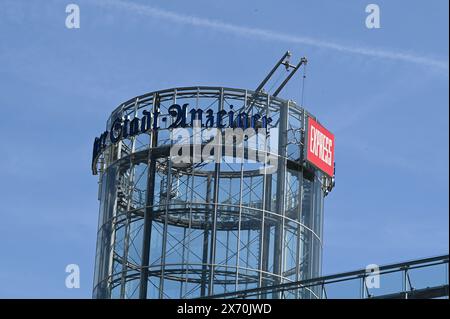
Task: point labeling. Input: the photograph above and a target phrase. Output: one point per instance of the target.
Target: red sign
(320, 147)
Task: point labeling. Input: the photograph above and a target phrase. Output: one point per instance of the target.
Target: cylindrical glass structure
(188, 230)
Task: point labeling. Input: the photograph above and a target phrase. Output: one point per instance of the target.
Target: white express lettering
(320, 145)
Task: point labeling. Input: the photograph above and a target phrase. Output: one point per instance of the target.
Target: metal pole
(405, 282)
(363, 287)
(128, 218)
(281, 180)
(267, 202)
(261, 85)
(206, 237)
(148, 215)
(215, 203)
(238, 239)
(166, 214)
(298, 260)
(303, 60)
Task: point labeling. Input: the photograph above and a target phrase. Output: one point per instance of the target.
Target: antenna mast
(285, 61)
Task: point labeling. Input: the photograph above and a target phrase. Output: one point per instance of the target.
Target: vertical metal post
(405, 282)
(212, 256)
(280, 207)
(166, 213)
(299, 228)
(189, 234)
(363, 287)
(264, 231)
(183, 262)
(226, 258)
(238, 239)
(266, 227)
(127, 234)
(112, 241)
(148, 214)
(446, 272)
(190, 215)
(128, 214)
(247, 256)
(206, 238)
(312, 253)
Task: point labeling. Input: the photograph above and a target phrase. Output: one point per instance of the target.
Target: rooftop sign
(177, 117)
(320, 147)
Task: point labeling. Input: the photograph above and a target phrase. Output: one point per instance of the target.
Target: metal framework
(185, 231)
(425, 278)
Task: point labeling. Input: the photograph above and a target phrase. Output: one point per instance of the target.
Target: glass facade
(170, 230)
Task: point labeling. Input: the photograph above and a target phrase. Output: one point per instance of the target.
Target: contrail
(270, 35)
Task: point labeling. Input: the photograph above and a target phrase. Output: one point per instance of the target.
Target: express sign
(320, 147)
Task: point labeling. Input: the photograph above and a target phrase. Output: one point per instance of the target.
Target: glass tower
(171, 230)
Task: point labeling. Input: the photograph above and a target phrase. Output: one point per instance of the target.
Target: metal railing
(417, 279)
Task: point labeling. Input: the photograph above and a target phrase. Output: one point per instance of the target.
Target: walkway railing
(417, 279)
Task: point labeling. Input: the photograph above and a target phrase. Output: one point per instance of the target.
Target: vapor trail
(271, 35)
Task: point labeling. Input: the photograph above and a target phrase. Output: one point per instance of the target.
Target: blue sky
(383, 92)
